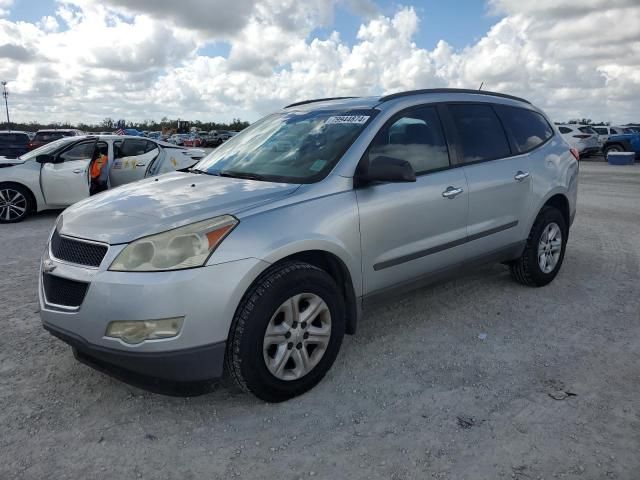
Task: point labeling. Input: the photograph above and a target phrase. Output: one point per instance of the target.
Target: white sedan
(57, 175)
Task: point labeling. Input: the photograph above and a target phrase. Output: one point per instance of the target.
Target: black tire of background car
(27, 195)
(613, 148)
(244, 357)
(526, 270)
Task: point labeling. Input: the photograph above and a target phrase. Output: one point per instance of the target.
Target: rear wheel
(544, 251)
(613, 148)
(15, 203)
(287, 332)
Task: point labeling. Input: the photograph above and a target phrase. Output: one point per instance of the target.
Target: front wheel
(544, 251)
(287, 332)
(15, 203)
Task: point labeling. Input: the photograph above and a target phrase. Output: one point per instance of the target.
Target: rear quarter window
(527, 129)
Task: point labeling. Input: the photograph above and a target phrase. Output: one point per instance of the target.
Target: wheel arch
(560, 202)
(331, 263)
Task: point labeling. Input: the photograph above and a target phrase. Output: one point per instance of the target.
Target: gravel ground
(452, 382)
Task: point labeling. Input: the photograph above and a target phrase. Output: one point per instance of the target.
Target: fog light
(138, 331)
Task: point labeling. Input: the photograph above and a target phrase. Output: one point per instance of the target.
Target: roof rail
(449, 90)
(304, 102)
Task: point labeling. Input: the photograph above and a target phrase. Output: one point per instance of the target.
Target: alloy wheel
(13, 204)
(549, 248)
(297, 336)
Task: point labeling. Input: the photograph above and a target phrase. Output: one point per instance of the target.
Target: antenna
(481, 84)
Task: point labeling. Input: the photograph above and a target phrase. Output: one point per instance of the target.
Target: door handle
(141, 164)
(78, 170)
(452, 192)
(520, 176)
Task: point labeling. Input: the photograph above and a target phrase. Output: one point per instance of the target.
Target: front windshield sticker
(318, 165)
(357, 119)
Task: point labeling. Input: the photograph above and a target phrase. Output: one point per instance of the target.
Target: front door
(66, 181)
(409, 230)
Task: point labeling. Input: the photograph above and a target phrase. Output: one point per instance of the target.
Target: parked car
(625, 142)
(217, 137)
(14, 143)
(43, 137)
(267, 252)
(193, 141)
(604, 131)
(56, 175)
(178, 138)
(581, 137)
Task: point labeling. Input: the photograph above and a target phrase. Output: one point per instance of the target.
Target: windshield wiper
(248, 176)
(197, 171)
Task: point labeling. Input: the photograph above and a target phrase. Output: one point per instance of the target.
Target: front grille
(62, 291)
(77, 251)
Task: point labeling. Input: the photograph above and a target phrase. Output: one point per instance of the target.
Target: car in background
(56, 175)
(581, 137)
(178, 138)
(193, 141)
(14, 143)
(604, 131)
(625, 142)
(260, 258)
(45, 136)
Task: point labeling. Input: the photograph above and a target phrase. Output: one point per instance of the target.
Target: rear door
(132, 157)
(67, 181)
(411, 229)
(498, 177)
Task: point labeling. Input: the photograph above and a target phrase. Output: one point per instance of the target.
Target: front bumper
(189, 365)
(206, 297)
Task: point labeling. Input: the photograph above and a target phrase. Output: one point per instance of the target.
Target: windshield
(291, 147)
(47, 149)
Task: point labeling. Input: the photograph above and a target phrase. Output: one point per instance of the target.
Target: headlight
(184, 247)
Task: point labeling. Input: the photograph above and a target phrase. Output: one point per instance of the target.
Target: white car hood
(158, 204)
(10, 161)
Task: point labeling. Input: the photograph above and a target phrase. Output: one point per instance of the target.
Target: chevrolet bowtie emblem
(48, 266)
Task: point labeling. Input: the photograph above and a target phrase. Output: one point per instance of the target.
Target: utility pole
(5, 94)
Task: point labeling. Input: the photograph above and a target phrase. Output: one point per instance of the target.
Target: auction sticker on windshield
(357, 119)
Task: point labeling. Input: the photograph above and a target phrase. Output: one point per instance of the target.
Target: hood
(4, 161)
(158, 204)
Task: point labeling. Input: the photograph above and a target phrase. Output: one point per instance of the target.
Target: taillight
(575, 153)
(582, 136)
(30, 145)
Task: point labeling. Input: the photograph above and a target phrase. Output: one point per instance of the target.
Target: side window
(416, 137)
(481, 135)
(601, 130)
(615, 131)
(133, 148)
(80, 151)
(565, 130)
(527, 129)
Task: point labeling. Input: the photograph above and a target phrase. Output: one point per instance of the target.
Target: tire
(613, 148)
(251, 363)
(16, 203)
(527, 269)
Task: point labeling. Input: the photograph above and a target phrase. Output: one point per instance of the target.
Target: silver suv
(268, 251)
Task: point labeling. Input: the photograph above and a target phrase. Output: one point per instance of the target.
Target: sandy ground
(452, 382)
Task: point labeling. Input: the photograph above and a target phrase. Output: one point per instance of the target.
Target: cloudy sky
(84, 60)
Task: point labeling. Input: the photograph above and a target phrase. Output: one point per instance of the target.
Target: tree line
(109, 124)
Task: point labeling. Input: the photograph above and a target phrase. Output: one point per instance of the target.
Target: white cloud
(577, 58)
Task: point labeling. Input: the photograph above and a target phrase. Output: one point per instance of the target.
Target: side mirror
(388, 169)
(45, 158)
